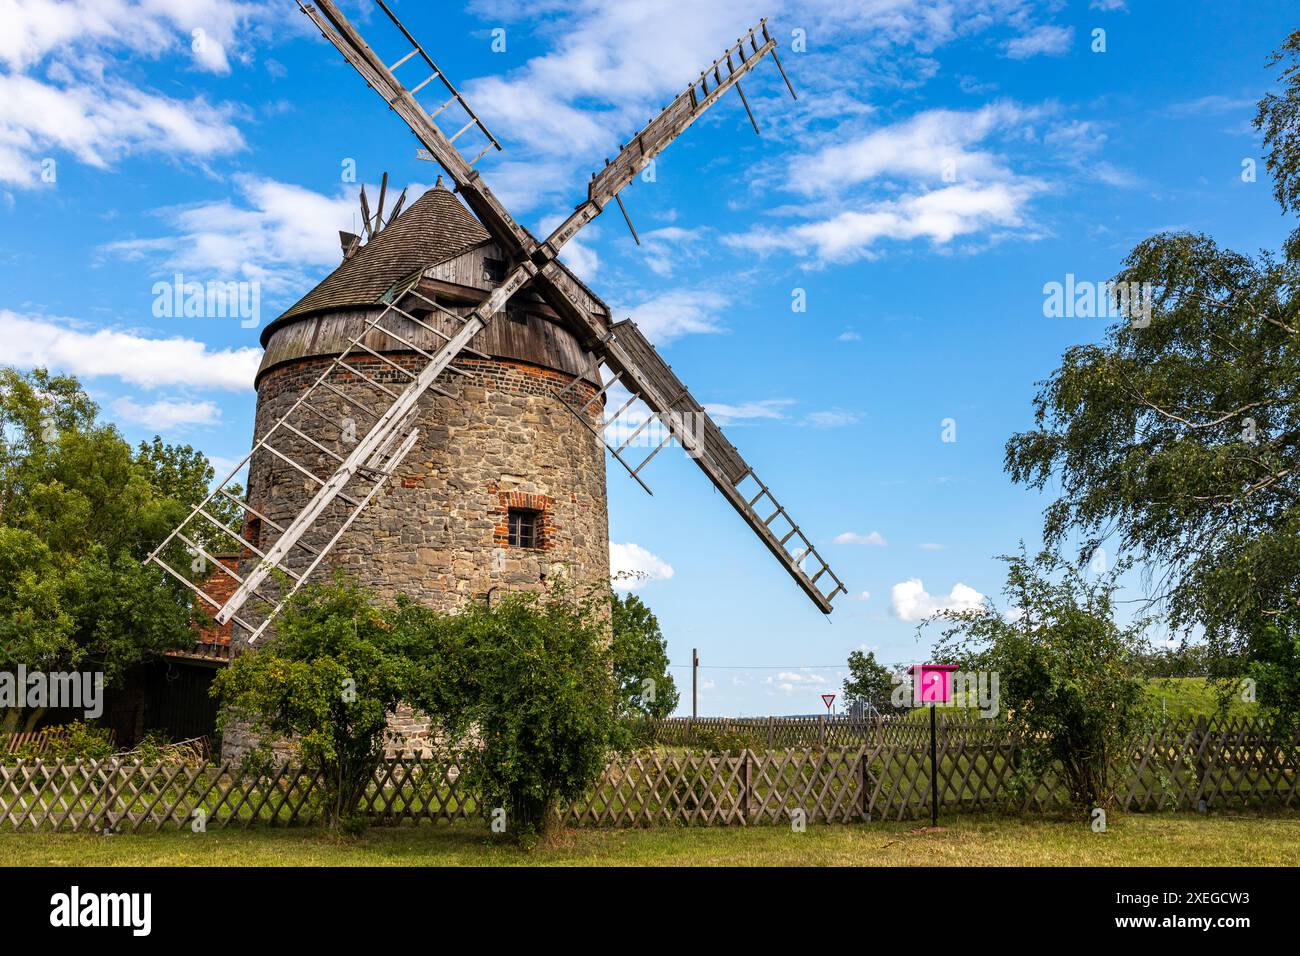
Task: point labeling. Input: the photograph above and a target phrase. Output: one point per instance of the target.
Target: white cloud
(768, 408)
(582, 259)
(940, 175)
(1109, 5)
(925, 148)
(930, 546)
(862, 596)
(1078, 142)
(100, 123)
(801, 682)
(612, 66)
(37, 29)
(665, 248)
(833, 418)
(974, 86)
(678, 312)
(940, 216)
(279, 234)
(524, 185)
(536, 116)
(632, 566)
(794, 677)
(1046, 40)
(848, 335)
(133, 358)
(910, 601)
(576, 253)
(166, 413)
(854, 537)
(1212, 104)
(607, 67)
(79, 103)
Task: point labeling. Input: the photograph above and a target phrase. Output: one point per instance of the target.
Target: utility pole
(695, 674)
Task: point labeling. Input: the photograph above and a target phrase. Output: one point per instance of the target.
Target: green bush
(75, 741)
(335, 670)
(527, 682)
(1071, 684)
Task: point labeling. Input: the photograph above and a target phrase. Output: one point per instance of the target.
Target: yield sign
(828, 699)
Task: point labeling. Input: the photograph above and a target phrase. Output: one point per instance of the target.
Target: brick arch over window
(543, 505)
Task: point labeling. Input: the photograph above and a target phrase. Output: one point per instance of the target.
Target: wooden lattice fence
(1231, 763)
(780, 732)
(37, 741)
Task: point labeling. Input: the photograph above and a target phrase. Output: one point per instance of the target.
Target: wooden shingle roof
(434, 228)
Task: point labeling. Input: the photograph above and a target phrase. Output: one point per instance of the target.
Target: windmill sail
(357, 477)
(637, 365)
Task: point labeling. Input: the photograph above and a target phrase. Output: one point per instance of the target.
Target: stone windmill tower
(504, 485)
(432, 415)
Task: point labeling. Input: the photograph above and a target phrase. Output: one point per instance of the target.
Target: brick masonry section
(436, 530)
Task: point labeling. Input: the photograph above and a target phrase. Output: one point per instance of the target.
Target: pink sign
(932, 683)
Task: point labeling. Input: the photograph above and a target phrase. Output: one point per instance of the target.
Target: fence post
(1202, 739)
(863, 810)
(747, 784)
(771, 732)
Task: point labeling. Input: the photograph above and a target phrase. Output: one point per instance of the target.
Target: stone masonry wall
(436, 531)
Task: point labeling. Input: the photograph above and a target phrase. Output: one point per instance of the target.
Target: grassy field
(1177, 697)
(1130, 840)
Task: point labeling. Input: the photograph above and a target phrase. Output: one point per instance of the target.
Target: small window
(525, 528)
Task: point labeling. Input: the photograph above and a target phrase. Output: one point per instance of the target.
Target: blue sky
(945, 159)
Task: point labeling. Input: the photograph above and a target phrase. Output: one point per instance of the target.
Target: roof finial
(438, 184)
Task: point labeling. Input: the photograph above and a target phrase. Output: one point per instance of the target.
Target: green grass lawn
(1131, 839)
(1177, 697)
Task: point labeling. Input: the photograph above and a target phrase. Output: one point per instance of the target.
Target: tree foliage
(640, 654)
(519, 692)
(531, 678)
(1278, 118)
(1070, 680)
(335, 669)
(869, 683)
(1274, 666)
(79, 511)
(1181, 438)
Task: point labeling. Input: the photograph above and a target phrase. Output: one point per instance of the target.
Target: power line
(786, 667)
(750, 667)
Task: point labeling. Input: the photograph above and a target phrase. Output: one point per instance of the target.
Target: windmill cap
(433, 229)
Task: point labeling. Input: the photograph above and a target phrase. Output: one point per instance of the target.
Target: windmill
(350, 372)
